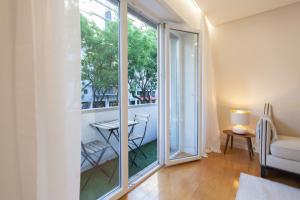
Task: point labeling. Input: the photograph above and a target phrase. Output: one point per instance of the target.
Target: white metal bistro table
(112, 129)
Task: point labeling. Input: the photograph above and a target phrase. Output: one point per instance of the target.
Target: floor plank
(212, 178)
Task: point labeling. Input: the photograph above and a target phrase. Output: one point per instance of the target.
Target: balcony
(99, 183)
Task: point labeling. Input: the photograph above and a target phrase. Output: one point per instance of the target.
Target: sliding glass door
(182, 101)
(143, 95)
(124, 106)
(119, 98)
(100, 137)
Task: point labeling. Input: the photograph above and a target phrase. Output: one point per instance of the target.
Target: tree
(142, 62)
(99, 57)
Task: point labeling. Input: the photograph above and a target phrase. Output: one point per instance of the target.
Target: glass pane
(142, 96)
(100, 147)
(183, 94)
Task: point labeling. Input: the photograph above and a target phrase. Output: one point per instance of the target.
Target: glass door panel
(182, 117)
(100, 135)
(142, 95)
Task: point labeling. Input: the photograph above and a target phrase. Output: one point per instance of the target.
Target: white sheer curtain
(47, 69)
(211, 131)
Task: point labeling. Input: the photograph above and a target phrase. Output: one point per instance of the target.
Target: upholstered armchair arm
(266, 132)
(264, 135)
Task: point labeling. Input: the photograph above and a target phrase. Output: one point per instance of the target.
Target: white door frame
(123, 76)
(123, 80)
(166, 79)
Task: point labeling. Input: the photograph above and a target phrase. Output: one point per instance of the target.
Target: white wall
(9, 172)
(257, 60)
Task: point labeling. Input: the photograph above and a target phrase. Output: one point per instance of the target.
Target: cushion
(286, 147)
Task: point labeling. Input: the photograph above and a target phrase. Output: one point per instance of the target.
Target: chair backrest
(142, 118)
(83, 150)
(139, 117)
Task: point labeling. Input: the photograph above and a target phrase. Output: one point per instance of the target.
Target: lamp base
(238, 129)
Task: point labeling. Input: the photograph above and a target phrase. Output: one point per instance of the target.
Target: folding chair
(135, 138)
(92, 152)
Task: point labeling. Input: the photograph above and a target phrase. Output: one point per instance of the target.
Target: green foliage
(100, 59)
(142, 61)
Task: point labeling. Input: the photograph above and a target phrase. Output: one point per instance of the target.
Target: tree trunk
(94, 97)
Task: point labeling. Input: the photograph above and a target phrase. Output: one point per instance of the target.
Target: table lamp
(240, 120)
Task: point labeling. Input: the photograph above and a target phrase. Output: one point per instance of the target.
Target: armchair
(275, 150)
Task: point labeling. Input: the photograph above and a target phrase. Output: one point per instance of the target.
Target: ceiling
(222, 11)
(155, 10)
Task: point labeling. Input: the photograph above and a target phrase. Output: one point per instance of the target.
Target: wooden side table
(230, 134)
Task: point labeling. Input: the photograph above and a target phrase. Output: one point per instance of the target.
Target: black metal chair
(92, 152)
(136, 138)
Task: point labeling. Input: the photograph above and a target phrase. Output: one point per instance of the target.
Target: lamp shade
(239, 117)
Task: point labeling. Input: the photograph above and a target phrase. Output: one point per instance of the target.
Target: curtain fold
(48, 98)
(210, 127)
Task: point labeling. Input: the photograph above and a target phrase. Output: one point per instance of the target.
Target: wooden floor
(215, 177)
